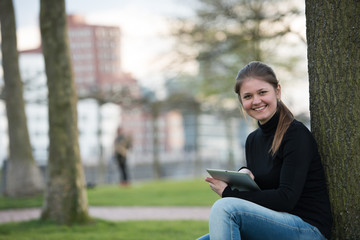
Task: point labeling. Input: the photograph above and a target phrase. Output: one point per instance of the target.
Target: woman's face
(259, 99)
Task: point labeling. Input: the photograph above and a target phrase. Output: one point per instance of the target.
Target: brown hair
(263, 72)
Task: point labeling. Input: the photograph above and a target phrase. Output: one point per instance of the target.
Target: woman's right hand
(247, 171)
(216, 185)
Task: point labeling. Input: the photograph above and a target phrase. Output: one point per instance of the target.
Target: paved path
(119, 213)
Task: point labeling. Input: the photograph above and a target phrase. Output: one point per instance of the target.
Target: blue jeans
(235, 219)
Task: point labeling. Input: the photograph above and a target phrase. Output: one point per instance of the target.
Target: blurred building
(95, 54)
(102, 88)
(96, 57)
(91, 115)
(165, 133)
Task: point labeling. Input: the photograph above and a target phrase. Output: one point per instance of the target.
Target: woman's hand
(247, 171)
(217, 186)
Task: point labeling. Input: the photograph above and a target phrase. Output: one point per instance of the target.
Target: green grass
(23, 202)
(195, 192)
(154, 193)
(99, 229)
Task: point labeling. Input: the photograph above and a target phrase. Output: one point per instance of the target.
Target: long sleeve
(282, 192)
(293, 180)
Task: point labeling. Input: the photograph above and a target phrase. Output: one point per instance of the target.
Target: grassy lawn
(156, 193)
(153, 193)
(99, 229)
(195, 192)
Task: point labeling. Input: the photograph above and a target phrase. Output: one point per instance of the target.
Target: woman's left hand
(217, 186)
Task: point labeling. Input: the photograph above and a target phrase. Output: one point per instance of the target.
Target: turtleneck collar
(270, 126)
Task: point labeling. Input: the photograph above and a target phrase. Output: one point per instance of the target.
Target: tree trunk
(333, 33)
(198, 162)
(65, 198)
(23, 175)
(155, 112)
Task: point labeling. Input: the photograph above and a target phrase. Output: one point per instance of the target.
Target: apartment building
(101, 85)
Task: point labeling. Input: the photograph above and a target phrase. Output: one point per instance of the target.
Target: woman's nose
(256, 99)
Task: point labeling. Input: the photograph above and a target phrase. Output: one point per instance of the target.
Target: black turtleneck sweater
(293, 180)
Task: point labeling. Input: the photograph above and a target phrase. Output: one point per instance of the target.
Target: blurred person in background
(122, 144)
(283, 159)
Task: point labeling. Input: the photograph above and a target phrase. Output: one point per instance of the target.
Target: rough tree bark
(65, 198)
(333, 34)
(23, 175)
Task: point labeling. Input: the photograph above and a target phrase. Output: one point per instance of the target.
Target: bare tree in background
(65, 198)
(23, 175)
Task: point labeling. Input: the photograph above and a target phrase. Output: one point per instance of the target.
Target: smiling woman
(259, 92)
(283, 159)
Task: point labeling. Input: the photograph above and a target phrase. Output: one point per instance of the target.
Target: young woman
(283, 159)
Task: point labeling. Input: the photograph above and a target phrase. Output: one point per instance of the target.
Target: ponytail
(285, 119)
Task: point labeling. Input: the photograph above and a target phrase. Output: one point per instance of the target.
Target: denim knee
(226, 205)
(231, 218)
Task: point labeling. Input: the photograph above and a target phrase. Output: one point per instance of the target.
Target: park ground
(149, 210)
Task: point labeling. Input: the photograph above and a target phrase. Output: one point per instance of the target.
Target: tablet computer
(240, 181)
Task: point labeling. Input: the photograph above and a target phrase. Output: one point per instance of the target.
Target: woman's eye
(263, 92)
(247, 97)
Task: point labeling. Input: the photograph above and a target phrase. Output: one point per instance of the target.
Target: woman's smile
(259, 99)
(259, 109)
